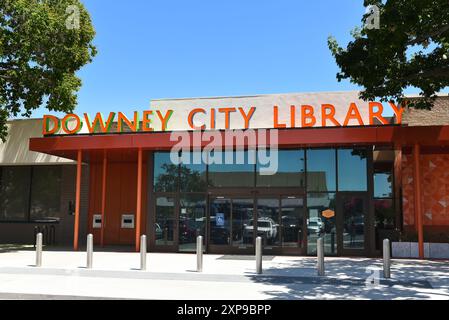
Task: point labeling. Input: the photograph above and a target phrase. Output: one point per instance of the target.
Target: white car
(266, 228)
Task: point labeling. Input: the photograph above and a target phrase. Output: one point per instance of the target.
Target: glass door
(352, 215)
(220, 221)
(292, 223)
(192, 221)
(280, 223)
(231, 225)
(268, 222)
(165, 227)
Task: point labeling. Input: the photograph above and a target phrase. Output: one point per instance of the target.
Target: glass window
(193, 173)
(46, 193)
(352, 170)
(383, 185)
(165, 173)
(321, 222)
(234, 169)
(14, 193)
(321, 170)
(289, 173)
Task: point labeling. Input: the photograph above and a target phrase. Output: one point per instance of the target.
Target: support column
(417, 196)
(79, 160)
(103, 197)
(139, 199)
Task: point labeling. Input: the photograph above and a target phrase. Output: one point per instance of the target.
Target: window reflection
(321, 222)
(14, 193)
(45, 193)
(290, 170)
(165, 221)
(165, 173)
(192, 220)
(352, 170)
(292, 217)
(242, 222)
(321, 170)
(268, 221)
(229, 173)
(220, 221)
(193, 173)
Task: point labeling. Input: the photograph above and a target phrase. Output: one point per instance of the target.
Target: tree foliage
(43, 43)
(409, 49)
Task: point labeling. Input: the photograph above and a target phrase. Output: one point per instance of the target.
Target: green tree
(43, 43)
(408, 48)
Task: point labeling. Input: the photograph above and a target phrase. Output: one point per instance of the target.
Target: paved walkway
(173, 276)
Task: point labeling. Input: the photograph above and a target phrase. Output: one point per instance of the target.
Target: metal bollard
(90, 249)
(39, 249)
(199, 254)
(387, 259)
(320, 256)
(259, 255)
(143, 252)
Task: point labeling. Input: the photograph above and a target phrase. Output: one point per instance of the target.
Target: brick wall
(438, 115)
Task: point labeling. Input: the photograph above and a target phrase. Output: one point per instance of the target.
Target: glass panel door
(321, 222)
(242, 222)
(192, 221)
(292, 221)
(268, 221)
(220, 221)
(352, 224)
(164, 226)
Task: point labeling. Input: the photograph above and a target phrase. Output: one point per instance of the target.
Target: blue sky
(171, 49)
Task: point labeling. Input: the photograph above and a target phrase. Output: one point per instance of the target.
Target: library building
(290, 168)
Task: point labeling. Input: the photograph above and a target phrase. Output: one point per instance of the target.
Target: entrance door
(280, 223)
(165, 226)
(192, 221)
(231, 225)
(352, 217)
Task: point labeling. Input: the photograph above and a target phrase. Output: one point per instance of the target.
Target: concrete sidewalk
(173, 276)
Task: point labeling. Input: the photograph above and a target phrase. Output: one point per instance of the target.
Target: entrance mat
(243, 257)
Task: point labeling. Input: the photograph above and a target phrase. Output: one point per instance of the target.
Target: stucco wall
(15, 150)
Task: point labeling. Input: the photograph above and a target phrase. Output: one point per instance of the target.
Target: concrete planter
(410, 250)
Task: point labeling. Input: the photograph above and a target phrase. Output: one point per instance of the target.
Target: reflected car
(313, 227)
(266, 228)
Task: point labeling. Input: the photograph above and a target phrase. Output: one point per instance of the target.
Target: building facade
(355, 180)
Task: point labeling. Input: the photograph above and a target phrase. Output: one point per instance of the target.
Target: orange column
(417, 196)
(139, 199)
(77, 200)
(103, 196)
